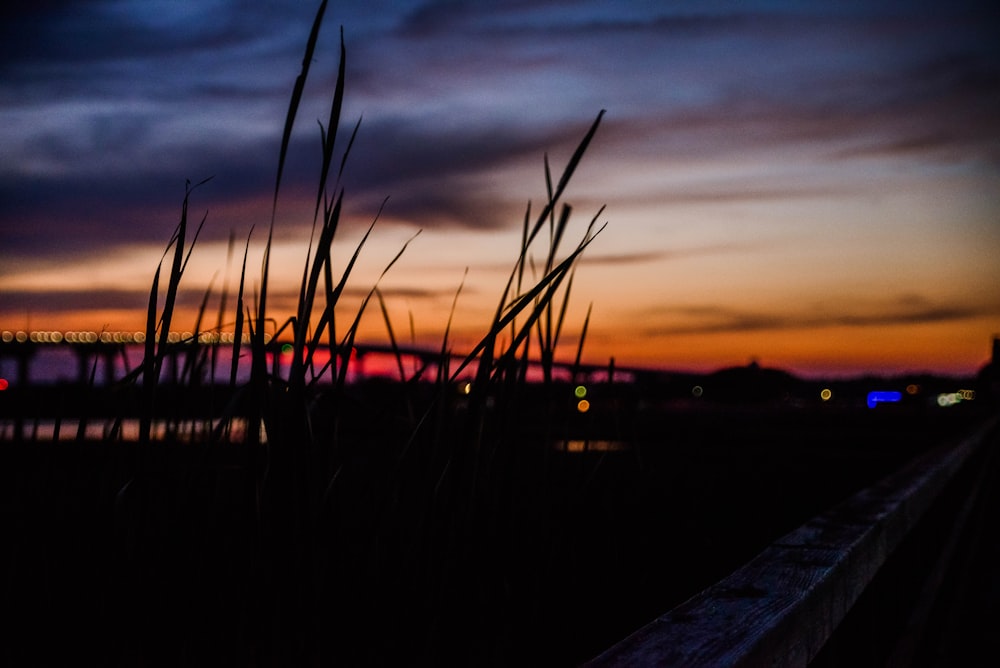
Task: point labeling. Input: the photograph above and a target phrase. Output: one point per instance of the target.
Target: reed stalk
(414, 487)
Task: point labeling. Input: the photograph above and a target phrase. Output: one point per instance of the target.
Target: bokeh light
(876, 397)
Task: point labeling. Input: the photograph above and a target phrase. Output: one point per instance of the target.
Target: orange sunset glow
(812, 188)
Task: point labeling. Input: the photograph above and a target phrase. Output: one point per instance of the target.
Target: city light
(883, 396)
(83, 337)
(948, 399)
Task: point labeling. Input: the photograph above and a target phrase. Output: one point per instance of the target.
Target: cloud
(907, 310)
(106, 31)
(643, 257)
(447, 176)
(58, 301)
(13, 304)
(191, 109)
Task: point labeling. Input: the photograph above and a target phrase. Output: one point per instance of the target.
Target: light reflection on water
(95, 430)
(49, 430)
(572, 446)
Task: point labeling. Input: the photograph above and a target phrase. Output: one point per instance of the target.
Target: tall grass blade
(566, 175)
(349, 338)
(300, 361)
(333, 296)
(445, 351)
(223, 303)
(293, 103)
(579, 348)
(329, 136)
(149, 367)
(197, 356)
(546, 285)
(393, 344)
(347, 151)
(238, 325)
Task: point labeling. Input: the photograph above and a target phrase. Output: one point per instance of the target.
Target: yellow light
(590, 446)
(826, 394)
(467, 388)
(583, 406)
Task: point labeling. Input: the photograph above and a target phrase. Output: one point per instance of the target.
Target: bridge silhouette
(107, 348)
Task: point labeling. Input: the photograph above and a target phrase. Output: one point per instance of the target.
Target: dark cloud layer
(722, 320)
(140, 71)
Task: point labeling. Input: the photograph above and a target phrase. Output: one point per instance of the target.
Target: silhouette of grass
(367, 503)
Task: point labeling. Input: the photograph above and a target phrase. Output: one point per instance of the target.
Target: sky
(813, 186)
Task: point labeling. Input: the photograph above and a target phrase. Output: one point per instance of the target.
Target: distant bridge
(106, 347)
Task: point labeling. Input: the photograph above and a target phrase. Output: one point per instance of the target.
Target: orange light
(583, 406)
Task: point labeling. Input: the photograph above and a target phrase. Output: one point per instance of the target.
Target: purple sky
(814, 184)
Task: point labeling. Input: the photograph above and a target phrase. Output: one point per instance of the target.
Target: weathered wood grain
(781, 607)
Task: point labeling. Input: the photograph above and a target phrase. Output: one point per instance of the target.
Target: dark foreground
(114, 563)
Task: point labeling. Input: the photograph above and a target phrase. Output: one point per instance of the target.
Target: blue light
(879, 396)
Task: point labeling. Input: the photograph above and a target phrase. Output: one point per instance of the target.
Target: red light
(3, 384)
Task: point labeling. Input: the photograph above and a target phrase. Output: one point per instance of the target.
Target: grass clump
(377, 522)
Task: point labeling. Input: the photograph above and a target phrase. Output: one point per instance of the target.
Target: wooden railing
(782, 607)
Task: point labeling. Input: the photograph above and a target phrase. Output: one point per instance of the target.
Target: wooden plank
(781, 607)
